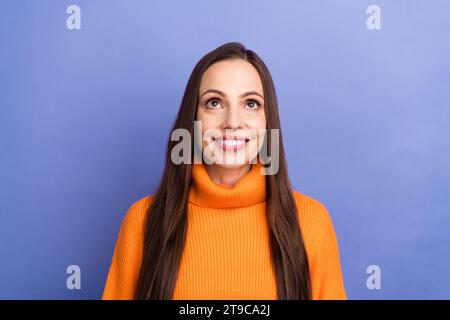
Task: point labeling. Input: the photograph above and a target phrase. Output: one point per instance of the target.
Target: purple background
(85, 115)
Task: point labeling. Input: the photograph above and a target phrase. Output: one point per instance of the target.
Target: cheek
(258, 127)
(209, 121)
(209, 126)
(257, 122)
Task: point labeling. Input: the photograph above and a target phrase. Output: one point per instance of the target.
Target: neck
(227, 176)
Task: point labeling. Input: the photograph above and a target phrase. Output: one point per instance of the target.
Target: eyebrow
(245, 94)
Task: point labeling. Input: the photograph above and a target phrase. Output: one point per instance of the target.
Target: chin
(232, 159)
(231, 165)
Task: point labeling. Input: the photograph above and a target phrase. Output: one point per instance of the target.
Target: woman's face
(231, 111)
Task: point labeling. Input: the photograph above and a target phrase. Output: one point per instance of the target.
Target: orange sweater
(227, 252)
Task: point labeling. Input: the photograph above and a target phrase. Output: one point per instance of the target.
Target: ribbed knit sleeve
(126, 261)
(322, 249)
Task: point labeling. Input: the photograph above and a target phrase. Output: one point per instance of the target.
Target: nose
(233, 118)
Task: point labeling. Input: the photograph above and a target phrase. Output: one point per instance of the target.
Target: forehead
(235, 75)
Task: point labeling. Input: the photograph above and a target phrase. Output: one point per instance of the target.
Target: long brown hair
(166, 220)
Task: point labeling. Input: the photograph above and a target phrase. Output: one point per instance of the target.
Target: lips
(231, 142)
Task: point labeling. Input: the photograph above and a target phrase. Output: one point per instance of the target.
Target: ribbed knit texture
(227, 251)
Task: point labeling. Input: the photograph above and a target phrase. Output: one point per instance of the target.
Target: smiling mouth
(231, 143)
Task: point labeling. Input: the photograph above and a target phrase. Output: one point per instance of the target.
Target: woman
(226, 227)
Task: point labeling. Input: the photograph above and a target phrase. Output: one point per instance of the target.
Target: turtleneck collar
(249, 190)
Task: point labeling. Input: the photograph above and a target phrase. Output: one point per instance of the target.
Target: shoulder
(137, 212)
(141, 204)
(310, 210)
(315, 221)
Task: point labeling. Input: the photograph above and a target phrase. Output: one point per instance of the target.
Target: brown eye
(253, 104)
(213, 103)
